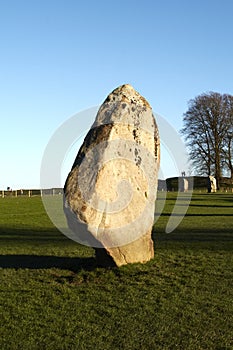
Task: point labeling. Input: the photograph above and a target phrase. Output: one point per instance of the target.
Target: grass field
(52, 296)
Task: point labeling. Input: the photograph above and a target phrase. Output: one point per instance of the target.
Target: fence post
(3, 194)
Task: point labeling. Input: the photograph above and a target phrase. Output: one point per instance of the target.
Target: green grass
(52, 296)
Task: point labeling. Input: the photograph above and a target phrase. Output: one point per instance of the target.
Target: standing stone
(186, 185)
(110, 193)
(211, 184)
(183, 184)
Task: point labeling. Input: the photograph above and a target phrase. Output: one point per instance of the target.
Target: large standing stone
(110, 193)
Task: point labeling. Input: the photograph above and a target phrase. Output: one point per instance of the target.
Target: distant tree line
(208, 132)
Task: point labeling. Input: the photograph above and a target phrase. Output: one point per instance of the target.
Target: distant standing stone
(183, 184)
(211, 184)
(110, 193)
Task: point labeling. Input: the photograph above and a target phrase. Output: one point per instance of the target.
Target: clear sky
(59, 57)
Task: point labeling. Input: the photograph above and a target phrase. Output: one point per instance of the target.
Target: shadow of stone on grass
(47, 262)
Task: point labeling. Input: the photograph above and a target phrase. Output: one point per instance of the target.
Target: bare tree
(228, 142)
(208, 133)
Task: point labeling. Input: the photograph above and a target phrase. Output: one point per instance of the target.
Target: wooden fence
(31, 192)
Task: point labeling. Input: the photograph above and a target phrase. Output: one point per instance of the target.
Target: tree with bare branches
(208, 134)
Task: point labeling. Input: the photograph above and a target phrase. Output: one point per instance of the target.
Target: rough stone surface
(110, 193)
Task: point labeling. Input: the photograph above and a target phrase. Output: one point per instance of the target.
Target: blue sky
(61, 57)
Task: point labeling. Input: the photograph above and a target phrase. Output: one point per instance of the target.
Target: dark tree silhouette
(209, 134)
